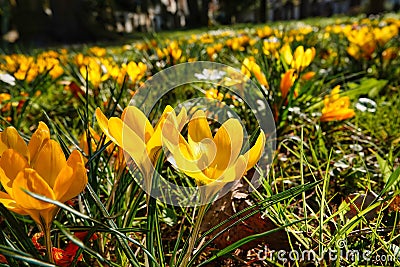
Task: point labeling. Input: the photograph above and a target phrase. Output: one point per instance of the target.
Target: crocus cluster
(39, 167)
(208, 160)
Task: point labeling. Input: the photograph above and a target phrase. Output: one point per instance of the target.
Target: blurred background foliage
(42, 22)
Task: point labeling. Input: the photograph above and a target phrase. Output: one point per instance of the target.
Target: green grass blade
(16, 254)
(392, 181)
(122, 238)
(18, 232)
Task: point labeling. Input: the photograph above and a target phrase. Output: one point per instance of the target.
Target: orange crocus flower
(336, 107)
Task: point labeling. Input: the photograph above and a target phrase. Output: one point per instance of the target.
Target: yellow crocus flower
(249, 66)
(81, 60)
(336, 107)
(94, 73)
(174, 51)
(270, 47)
(264, 32)
(213, 50)
(39, 167)
(160, 53)
(362, 43)
(5, 104)
(213, 93)
(11, 63)
(212, 161)
(135, 71)
(300, 59)
(98, 51)
(135, 134)
(385, 34)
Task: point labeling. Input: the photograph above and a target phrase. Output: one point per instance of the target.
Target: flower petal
(103, 123)
(308, 56)
(138, 122)
(115, 130)
(200, 178)
(182, 152)
(3, 147)
(131, 143)
(102, 120)
(228, 140)
(154, 144)
(287, 82)
(38, 139)
(298, 57)
(10, 138)
(236, 171)
(30, 180)
(200, 139)
(338, 115)
(233, 173)
(11, 163)
(286, 52)
(171, 137)
(94, 134)
(49, 162)
(181, 118)
(72, 179)
(10, 204)
(198, 128)
(44, 217)
(167, 111)
(254, 154)
(83, 144)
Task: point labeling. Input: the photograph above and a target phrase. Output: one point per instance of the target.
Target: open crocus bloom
(41, 168)
(336, 107)
(211, 161)
(135, 134)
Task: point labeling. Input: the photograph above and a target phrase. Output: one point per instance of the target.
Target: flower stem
(48, 243)
(193, 236)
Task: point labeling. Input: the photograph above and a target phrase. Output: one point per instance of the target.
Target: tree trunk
(193, 20)
(73, 21)
(67, 24)
(304, 9)
(375, 7)
(31, 21)
(228, 7)
(204, 12)
(263, 11)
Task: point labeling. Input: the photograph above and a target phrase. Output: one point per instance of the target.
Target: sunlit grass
(332, 187)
